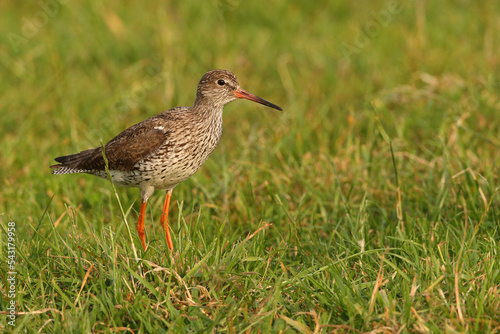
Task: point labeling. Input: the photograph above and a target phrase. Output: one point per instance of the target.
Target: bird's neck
(209, 119)
(207, 110)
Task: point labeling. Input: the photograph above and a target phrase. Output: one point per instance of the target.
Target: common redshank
(166, 149)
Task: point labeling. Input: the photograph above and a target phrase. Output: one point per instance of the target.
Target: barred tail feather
(71, 164)
(60, 169)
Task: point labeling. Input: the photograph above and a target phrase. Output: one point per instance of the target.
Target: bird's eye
(221, 82)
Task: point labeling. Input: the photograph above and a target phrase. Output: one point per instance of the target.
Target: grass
(371, 203)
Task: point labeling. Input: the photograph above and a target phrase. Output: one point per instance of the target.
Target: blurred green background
(391, 121)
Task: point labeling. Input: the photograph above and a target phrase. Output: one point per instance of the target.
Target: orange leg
(140, 225)
(164, 220)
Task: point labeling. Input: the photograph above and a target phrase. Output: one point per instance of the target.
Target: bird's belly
(166, 176)
(169, 167)
(156, 175)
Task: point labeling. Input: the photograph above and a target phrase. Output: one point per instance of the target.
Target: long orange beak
(243, 94)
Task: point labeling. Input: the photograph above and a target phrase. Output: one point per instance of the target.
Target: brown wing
(122, 152)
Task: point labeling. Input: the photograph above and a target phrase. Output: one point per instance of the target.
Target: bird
(164, 150)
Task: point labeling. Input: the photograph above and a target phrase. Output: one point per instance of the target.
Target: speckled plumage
(168, 148)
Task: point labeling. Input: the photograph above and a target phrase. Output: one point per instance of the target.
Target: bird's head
(219, 87)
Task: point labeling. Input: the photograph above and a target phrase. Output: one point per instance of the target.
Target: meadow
(369, 204)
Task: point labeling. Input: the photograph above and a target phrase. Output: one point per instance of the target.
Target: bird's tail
(70, 164)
